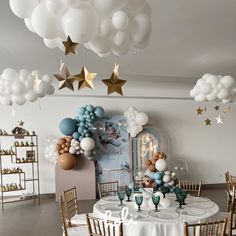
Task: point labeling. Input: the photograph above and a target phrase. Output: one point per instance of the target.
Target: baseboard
(48, 196)
(213, 186)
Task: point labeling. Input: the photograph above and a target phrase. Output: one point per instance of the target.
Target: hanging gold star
(200, 111)
(85, 79)
(114, 84)
(70, 46)
(208, 121)
(217, 108)
(65, 79)
(219, 119)
(21, 123)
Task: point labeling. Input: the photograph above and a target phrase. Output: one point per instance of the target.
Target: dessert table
(168, 221)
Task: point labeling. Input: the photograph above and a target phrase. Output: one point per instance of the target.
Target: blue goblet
(139, 201)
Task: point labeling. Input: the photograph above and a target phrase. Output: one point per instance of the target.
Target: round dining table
(168, 221)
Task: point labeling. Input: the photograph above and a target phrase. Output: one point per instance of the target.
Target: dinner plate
(110, 207)
(192, 211)
(110, 199)
(201, 204)
(165, 214)
(198, 199)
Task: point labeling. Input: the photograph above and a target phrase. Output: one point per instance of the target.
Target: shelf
(35, 179)
(13, 135)
(13, 173)
(24, 146)
(7, 154)
(14, 190)
(17, 199)
(26, 162)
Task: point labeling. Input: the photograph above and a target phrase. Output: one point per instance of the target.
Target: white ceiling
(190, 38)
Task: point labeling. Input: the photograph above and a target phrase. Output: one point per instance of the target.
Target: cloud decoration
(24, 86)
(135, 121)
(103, 26)
(216, 88)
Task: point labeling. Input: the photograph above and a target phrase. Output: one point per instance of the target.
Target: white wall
(209, 151)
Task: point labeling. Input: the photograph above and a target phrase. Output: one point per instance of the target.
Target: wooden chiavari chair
(100, 227)
(215, 228)
(72, 208)
(193, 187)
(68, 230)
(232, 215)
(107, 188)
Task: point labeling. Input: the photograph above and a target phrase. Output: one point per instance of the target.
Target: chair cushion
(79, 219)
(77, 231)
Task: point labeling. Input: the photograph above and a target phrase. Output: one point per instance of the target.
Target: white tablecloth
(153, 226)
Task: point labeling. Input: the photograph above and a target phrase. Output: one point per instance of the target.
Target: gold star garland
(70, 46)
(219, 119)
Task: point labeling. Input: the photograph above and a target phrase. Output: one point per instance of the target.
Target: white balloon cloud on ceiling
(135, 121)
(214, 88)
(25, 86)
(103, 26)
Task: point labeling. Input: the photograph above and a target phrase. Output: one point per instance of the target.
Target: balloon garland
(78, 132)
(24, 86)
(103, 26)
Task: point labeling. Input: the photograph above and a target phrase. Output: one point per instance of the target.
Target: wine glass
(121, 196)
(139, 201)
(184, 194)
(155, 200)
(180, 198)
(164, 190)
(128, 192)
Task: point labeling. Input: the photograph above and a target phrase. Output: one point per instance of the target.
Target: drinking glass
(121, 196)
(180, 198)
(139, 201)
(164, 190)
(155, 200)
(128, 192)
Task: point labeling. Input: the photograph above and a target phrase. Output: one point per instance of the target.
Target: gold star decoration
(21, 123)
(200, 111)
(65, 79)
(217, 108)
(208, 121)
(114, 84)
(219, 119)
(85, 79)
(70, 46)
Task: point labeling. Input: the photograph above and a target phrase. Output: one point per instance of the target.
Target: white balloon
(104, 55)
(87, 153)
(212, 96)
(35, 73)
(47, 78)
(18, 87)
(6, 100)
(18, 99)
(226, 101)
(105, 6)
(69, 3)
(194, 92)
(24, 73)
(29, 24)
(100, 45)
(121, 50)
(171, 183)
(200, 98)
(72, 150)
(23, 8)
(120, 38)
(141, 28)
(52, 43)
(205, 88)
(166, 178)
(9, 74)
(56, 7)
(44, 23)
(31, 96)
(227, 81)
(161, 165)
(141, 118)
(80, 24)
(120, 20)
(50, 90)
(105, 27)
(224, 93)
(87, 144)
(42, 89)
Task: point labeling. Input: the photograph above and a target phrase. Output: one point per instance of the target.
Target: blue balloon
(99, 112)
(81, 123)
(80, 138)
(81, 110)
(158, 175)
(85, 131)
(90, 108)
(81, 129)
(87, 135)
(68, 126)
(76, 135)
(86, 112)
(158, 181)
(151, 175)
(77, 118)
(81, 117)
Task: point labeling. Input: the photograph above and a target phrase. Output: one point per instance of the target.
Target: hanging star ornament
(21, 123)
(114, 84)
(85, 79)
(217, 108)
(219, 119)
(200, 111)
(208, 121)
(65, 79)
(70, 46)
